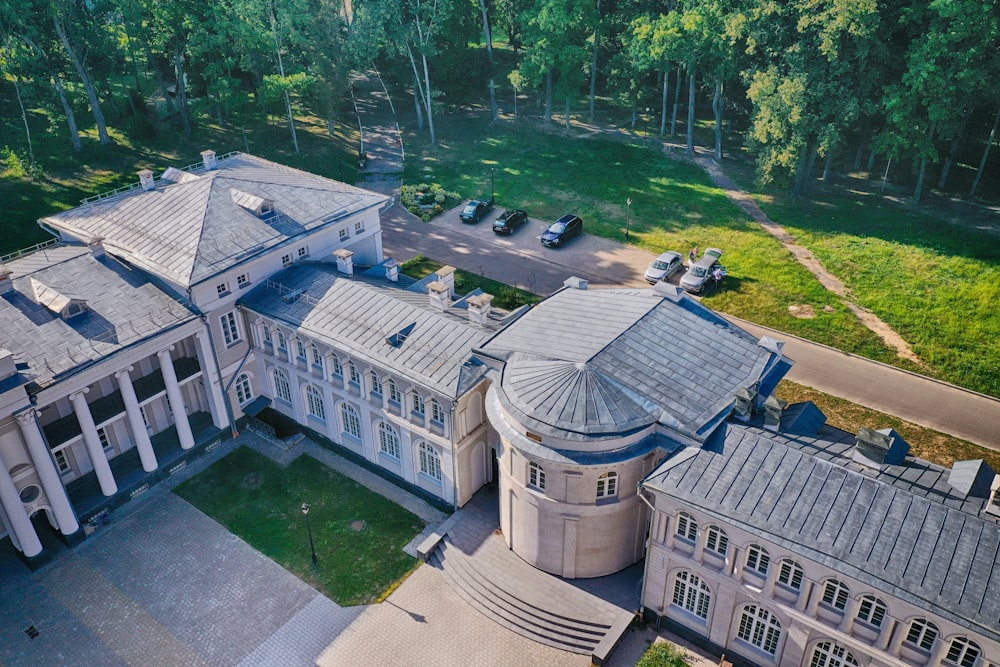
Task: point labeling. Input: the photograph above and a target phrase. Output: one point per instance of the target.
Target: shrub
(439, 198)
(663, 654)
(426, 217)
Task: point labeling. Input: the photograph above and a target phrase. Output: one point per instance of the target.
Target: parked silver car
(663, 267)
(703, 271)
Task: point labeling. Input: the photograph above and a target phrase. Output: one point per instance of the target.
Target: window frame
(243, 281)
(359, 226)
(921, 635)
(315, 405)
(282, 341)
(686, 528)
(337, 369)
(302, 252)
(267, 335)
(758, 560)
(376, 382)
(692, 594)
(760, 628)
(222, 289)
(790, 574)
(105, 440)
(607, 485)
(716, 541)
(835, 595)
(244, 389)
(395, 395)
(430, 461)
(417, 404)
(345, 233)
(388, 440)
(536, 476)
(437, 412)
(962, 652)
(286, 260)
(872, 611)
(355, 374)
(282, 385)
(63, 466)
(300, 349)
(317, 356)
(350, 421)
(832, 654)
(230, 327)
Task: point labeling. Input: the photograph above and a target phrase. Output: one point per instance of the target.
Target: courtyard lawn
(506, 297)
(259, 501)
(674, 207)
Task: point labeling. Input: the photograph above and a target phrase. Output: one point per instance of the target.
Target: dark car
(475, 210)
(562, 230)
(509, 221)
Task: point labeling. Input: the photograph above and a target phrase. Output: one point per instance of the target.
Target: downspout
(645, 566)
(454, 455)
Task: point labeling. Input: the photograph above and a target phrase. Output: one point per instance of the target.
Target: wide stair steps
(528, 603)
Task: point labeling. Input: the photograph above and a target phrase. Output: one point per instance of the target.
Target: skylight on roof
(397, 339)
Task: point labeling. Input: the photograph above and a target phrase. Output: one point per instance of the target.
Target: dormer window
(64, 305)
(73, 309)
(259, 206)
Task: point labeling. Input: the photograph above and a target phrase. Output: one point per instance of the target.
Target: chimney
(392, 270)
(345, 261)
(479, 308)
(877, 448)
(96, 246)
(745, 403)
(446, 276)
(438, 295)
(972, 478)
(575, 283)
(774, 407)
(209, 160)
(146, 180)
(6, 284)
(7, 364)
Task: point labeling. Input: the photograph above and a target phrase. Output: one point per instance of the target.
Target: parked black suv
(561, 230)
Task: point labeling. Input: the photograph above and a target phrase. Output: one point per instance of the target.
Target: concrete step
(496, 601)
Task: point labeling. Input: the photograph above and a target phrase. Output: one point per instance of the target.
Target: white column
(885, 633)
(850, 612)
(20, 523)
(213, 385)
(940, 648)
(47, 473)
(699, 545)
(897, 640)
(176, 400)
(772, 578)
(804, 594)
(733, 559)
(135, 422)
(93, 442)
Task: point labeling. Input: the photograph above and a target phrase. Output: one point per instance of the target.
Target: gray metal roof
(903, 530)
(190, 229)
(593, 362)
(124, 307)
(359, 314)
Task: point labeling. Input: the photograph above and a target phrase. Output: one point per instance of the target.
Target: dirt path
(806, 259)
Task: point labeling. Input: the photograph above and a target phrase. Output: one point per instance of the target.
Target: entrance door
(494, 466)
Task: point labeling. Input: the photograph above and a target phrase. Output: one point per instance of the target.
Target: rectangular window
(316, 357)
(145, 416)
(437, 412)
(418, 404)
(359, 227)
(303, 252)
(62, 463)
(222, 289)
(267, 335)
(344, 234)
(300, 347)
(243, 280)
(102, 435)
(286, 260)
(230, 332)
(282, 343)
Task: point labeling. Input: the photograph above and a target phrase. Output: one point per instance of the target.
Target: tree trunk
(548, 96)
(986, 155)
(593, 62)
(690, 124)
(281, 72)
(635, 102)
(806, 161)
(663, 102)
(567, 114)
(420, 111)
(677, 99)
(488, 34)
(871, 162)
(856, 165)
(95, 104)
(74, 132)
(826, 166)
(717, 106)
(182, 90)
(949, 159)
(918, 191)
(24, 117)
(430, 112)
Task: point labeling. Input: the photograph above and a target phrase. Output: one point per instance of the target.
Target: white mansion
(620, 425)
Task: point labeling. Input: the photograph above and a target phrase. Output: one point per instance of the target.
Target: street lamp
(312, 546)
(493, 193)
(628, 205)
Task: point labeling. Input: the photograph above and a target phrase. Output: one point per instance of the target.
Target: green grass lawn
(674, 207)
(506, 297)
(259, 501)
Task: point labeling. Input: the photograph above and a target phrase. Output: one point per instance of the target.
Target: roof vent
(96, 246)
(479, 308)
(774, 408)
(668, 291)
(746, 401)
(877, 448)
(146, 181)
(397, 339)
(438, 295)
(574, 282)
(178, 175)
(209, 160)
(801, 419)
(972, 478)
(259, 206)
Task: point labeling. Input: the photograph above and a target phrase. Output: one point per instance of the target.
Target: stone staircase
(529, 602)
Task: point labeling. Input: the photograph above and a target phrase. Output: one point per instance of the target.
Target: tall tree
(60, 18)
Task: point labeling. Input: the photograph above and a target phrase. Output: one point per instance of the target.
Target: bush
(663, 654)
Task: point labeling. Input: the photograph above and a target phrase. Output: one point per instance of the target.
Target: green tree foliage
(663, 654)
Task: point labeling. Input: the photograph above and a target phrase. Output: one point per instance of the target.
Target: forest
(806, 87)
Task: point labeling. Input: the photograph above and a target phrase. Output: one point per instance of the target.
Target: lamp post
(628, 206)
(493, 192)
(312, 546)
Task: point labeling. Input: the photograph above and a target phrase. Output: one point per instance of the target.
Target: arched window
(716, 541)
(418, 403)
(607, 485)
(692, 594)
(790, 574)
(267, 334)
(872, 611)
(962, 653)
(437, 412)
(760, 628)
(758, 559)
(355, 374)
(282, 389)
(835, 594)
(337, 368)
(244, 391)
(921, 634)
(300, 348)
(536, 476)
(687, 527)
(314, 403)
(376, 383)
(352, 423)
(430, 462)
(394, 394)
(828, 654)
(317, 357)
(282, 343)
(388, 440)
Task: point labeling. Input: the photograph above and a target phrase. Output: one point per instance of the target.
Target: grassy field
(260, 501)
